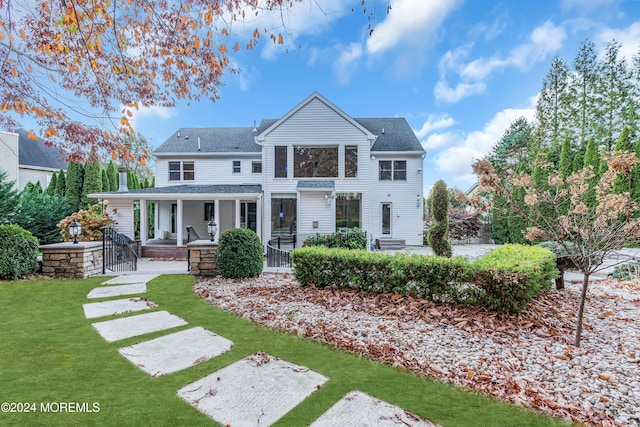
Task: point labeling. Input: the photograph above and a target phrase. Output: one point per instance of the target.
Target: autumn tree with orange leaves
(103, 59)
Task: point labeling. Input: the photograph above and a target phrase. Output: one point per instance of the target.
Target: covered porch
(164, 219)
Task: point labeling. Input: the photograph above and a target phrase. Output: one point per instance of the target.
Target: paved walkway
(257, 390)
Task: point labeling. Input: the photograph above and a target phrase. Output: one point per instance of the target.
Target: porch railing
(277, 257)
(119, 252)
(191, 234)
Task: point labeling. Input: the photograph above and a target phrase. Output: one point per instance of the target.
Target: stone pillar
(202, 258)
(72, 261)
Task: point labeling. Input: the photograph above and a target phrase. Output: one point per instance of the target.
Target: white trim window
(181, 171)
(392, 170)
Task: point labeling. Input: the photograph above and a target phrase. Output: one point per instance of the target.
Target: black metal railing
(279, 250)
(191, 233)
(119, 252)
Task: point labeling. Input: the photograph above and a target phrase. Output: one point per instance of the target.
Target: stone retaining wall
(72, 261)
(202, 258)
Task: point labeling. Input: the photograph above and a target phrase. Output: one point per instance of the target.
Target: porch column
(156, 220)
(216, 216)
(179, 230)
(144, 222)
(237, 220)
(259, 218)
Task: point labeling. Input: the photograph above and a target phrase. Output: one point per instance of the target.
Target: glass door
(248, 216)
(386, 219)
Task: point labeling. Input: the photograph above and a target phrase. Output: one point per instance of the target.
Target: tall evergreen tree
(106, 185)
(9, 197)
(73, 192)
(613, 93)
(61, 184)
(92, 182)
(112, 173)
(552, 109)
(51, 188)
(622, 183)
(566, 159)
(578, 158)
(584, 107)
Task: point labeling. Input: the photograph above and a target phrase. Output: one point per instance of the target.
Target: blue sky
(459, 71)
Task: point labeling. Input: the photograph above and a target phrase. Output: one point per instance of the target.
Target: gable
(315, 120)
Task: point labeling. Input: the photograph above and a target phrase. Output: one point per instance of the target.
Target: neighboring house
(314, 170)
(26, 160)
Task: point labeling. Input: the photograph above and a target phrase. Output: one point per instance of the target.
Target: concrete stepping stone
(119, 306)
(257, 390)
(177, 351)
(116, 291)
(358, 409)
(127, 279)
(117, 329)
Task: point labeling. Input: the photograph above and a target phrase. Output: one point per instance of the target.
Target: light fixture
(327, 197)
(212, 229)
(75, 229)
(419, 170)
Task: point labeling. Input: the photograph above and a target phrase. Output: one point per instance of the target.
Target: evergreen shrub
(239, 254)
(18, 252)
(351, 238)
(513, 274)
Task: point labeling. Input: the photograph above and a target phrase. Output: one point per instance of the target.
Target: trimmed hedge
(504, 280)
(239, 254)
(513, 274)
(351, 238)
(18, 252)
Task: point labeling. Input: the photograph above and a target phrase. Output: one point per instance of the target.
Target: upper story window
(181, 171)
(236, 166)
(280, 161)
(351, 161)
(392, 170)
(315, 162)
(256, 167)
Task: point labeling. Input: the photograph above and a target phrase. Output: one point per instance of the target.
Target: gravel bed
(527, 359)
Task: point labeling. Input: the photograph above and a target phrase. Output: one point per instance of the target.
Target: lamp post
(212, 229)
(75, 229)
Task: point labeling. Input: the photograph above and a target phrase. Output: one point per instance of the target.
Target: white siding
(211, 171)
(312, 206)
(123, 217)
(406, 217)
(27, 175)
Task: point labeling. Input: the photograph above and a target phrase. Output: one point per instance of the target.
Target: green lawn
(49, 352)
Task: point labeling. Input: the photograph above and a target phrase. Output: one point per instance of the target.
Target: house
(26, 160)
(314, 170)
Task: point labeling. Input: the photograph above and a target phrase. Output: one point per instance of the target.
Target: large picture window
(351, 161)
(280, 161)
(181, 171)
(348, 208)
(392, 170)
(315, 162)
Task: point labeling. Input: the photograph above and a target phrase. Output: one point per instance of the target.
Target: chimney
(123, 180)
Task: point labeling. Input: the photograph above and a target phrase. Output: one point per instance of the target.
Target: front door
(248, 216)
(386, 219)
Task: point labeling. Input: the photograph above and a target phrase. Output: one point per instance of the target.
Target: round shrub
(18, 252)
(239, 254)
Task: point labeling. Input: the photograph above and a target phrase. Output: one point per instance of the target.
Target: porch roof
(192, 192)
(316, 185)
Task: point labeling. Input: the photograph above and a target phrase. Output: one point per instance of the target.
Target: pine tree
(578, 158)
(622, 183)
(553, 107)
(9, 197)
(612, 94)
(592, 158)
(540, 176)
(51, 189)
(61, 185)
(516, 223)
(584, 108)
(92, 182)
(499, 221)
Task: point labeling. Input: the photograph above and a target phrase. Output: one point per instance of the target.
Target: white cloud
(443, 92)
(435, 122)
(438, 140)
(629, 39)
(410, 22)
(456, 160)
(162, 113)
(347, 61)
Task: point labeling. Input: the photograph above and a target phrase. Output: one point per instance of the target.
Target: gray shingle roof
(316, 184)
(397, 136)
(36, 153)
